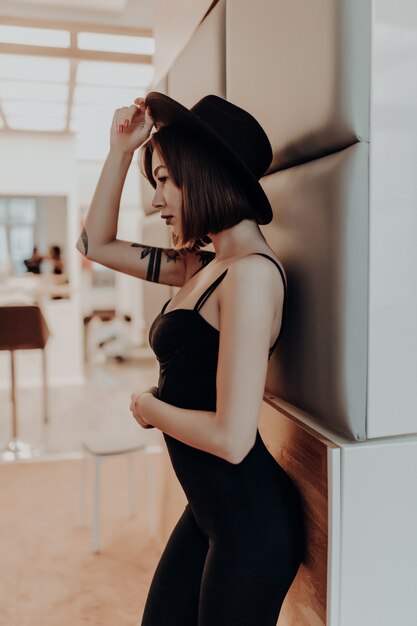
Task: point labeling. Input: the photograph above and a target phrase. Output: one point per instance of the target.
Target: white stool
(100, 446)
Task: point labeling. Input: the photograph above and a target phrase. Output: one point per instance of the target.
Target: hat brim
(165, 111)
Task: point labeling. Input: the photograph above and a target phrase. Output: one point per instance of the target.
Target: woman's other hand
(131, 127)
(134, 406)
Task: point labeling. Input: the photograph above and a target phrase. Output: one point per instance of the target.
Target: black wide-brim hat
(239, 138)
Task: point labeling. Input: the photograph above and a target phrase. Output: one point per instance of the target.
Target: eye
(162, 179)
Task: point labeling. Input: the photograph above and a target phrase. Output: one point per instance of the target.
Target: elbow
(81, 246)
(235, 452)
(230, 446)
(235, 457)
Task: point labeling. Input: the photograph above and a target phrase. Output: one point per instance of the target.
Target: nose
(158, 200)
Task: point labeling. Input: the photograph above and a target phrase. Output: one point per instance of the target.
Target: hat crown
(238, 129)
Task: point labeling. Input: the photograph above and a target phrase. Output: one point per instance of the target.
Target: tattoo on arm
(155, 257)
(171, 254)
(84, 239)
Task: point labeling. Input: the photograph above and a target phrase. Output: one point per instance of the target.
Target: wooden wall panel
(302, 452)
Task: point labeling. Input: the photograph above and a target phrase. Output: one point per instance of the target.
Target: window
(17, 233)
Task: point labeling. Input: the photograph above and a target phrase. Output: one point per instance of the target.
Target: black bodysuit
(235, 550)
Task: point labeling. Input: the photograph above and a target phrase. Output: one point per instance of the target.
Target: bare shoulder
(251, 299)
(255, 270)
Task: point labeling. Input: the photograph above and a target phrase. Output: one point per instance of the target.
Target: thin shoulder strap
(219, 279)
(209, 291)
(284, 309)
(165, 306)
(281, 271)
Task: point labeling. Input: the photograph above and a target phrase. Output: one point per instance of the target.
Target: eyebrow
(158, 168)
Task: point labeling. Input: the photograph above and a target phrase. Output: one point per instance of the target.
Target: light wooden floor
(101, 405)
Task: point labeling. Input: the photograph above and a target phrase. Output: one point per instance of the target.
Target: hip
(256, 491)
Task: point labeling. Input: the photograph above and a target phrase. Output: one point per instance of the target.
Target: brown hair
(212, 199)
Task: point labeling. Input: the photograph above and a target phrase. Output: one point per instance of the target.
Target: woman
(55, 256)
(34, 263)
(235, 551)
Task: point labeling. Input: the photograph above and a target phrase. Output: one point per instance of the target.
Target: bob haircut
(212, 199)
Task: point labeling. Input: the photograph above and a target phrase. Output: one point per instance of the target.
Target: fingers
(124, 116)
(148, 119)
(139, 104)
(135, 413)
(121, 127)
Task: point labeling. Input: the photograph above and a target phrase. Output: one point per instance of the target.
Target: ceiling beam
(76, 27)
(75, 53)
(53, 133)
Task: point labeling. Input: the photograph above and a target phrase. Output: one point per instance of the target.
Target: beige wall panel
(200, 68)
(161, 85)
(174, 24)
(320, 232)
(302, 69)
(154, 233)
(303, 455)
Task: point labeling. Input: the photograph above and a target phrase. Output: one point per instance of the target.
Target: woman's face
(168, 197)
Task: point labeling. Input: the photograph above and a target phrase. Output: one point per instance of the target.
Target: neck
(237, 240)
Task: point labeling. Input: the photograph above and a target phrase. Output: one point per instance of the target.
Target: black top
(187, 347)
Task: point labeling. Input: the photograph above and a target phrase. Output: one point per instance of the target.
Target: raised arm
(130, 128)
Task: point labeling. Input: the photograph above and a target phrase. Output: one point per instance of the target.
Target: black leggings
(219, 581)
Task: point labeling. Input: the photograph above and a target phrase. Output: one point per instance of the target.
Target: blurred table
(31, 288)
(22, 327)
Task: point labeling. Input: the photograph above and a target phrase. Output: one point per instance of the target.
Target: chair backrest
(22, 327)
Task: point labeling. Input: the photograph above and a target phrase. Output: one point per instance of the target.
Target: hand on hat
(131, 126)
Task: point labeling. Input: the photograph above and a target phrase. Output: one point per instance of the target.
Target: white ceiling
(136, 13)
(82, 98)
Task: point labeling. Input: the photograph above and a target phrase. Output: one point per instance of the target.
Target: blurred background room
(73, 333)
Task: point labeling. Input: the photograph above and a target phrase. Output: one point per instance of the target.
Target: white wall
(378, 558)
(51, 226)
(392, 397)
(88, 172)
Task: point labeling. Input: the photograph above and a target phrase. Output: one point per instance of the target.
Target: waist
(188, 390)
